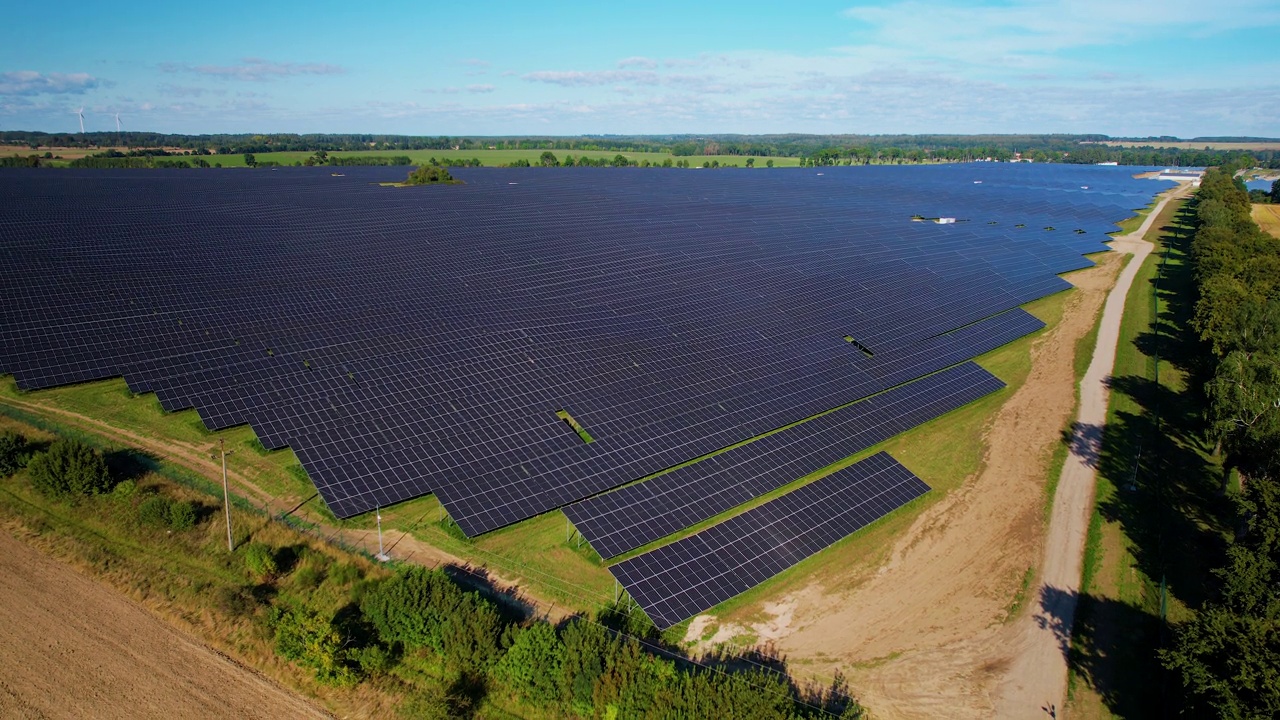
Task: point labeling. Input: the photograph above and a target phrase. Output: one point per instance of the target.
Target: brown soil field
(1268, 218)
(72, 648)
(1188, 145)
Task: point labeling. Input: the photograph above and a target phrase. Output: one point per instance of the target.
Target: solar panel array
(678, 580)
(406, 341)
(633, 516)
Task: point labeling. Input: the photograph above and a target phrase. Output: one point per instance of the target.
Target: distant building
(1191, 175)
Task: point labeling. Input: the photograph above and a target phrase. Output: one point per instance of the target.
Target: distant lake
(1259, 185)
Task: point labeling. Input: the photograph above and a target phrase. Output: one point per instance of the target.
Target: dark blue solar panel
(677, 581)
(404, 341)
(633, 516)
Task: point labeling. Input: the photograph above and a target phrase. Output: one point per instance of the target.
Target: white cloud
(638, 62)
(30, 82)
(1029, 34)
(254, 69)
(474, 89)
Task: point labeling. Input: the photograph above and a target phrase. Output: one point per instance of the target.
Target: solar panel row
(635, 515)
(677, 581)
(405, 341)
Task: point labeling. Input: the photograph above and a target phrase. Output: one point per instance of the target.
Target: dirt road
(72, 648)
(1036, 679)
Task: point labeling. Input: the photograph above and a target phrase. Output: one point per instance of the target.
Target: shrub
(125, 489)
(69, 467)
(261, 560)
(531, 667)
(13, 449)
(309, 639)
(182, 515)
(154, 511)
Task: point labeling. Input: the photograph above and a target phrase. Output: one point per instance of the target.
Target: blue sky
(1169, 67)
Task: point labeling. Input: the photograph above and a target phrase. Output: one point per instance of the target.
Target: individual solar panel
(638, 514)
(698, 572)
(418, 340)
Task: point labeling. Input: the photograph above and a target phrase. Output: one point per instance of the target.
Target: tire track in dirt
(70, 647)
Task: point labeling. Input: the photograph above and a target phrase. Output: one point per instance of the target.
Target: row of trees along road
(1228, 656)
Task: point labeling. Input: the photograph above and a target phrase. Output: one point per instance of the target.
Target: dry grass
(63, 152)
(1268, 218)
(1191, 145)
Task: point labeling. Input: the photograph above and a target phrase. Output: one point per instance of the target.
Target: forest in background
(815, 149)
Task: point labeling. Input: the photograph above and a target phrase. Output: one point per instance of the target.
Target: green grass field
(495, 158)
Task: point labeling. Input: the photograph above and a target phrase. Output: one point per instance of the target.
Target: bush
(182, 515)
(309, 639)
(154, 511)
(69, 467)
(125, 489)
(261, 560)
(531, 667)
(159, 511)
(13, 451)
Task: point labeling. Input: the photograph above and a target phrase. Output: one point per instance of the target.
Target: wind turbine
(80, 112)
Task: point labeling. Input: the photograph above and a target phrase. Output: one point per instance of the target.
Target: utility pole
(382, 555)
(226, 494)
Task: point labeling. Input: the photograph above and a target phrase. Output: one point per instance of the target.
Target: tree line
(891, 148)
(1228, 656)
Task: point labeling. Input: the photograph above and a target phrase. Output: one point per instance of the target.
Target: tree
(250, 160)
(751, 162)
(1275, 191)
(768, 163)
(424, 608)
(548, 159)
(429, 175)
(13, 449)
(1229, 664)
(69, 467)
(531, 666)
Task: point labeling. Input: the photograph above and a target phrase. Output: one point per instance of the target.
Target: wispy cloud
(476, 89)
(30, 82)
(1031, 34)
(170, 90)
(254, 69)
(586, 78)
(638, 62)
(625, 80)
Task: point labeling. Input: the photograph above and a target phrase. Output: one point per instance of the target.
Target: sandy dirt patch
(70, 647)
